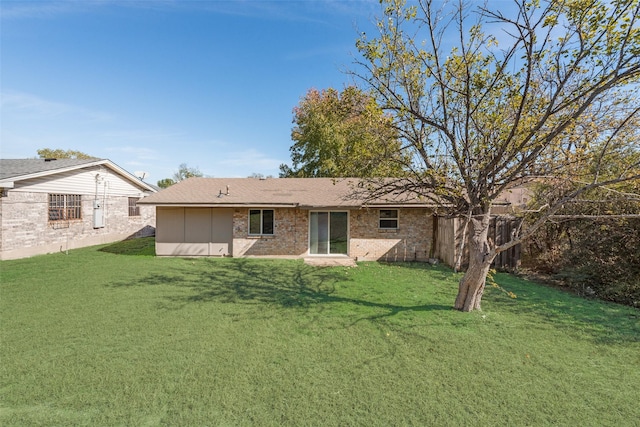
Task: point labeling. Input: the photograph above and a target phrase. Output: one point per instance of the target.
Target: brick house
(51, 205)
(289, 217)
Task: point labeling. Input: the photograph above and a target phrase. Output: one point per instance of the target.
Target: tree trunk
(480, 257)
(463, 239)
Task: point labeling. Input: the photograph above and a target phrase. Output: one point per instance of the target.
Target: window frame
(64, 207)
(134, 209)
(262, 222)
(388, 219)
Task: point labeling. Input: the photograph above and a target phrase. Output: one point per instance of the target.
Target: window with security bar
(134, 209)
(65, 207)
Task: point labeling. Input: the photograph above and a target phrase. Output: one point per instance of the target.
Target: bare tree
(548, 96)
(185, 172)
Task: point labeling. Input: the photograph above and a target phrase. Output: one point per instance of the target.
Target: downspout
(104, 202)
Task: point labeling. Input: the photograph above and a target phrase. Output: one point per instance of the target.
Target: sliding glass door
(328, 233)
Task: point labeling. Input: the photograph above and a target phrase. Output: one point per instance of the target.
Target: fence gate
(501, 229)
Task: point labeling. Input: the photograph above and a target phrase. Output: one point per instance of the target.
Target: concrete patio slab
(330, 262)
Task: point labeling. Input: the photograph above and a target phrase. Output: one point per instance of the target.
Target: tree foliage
(166, 182)
(57, 153)
(258, 175)
(548, 97)
(592, 244)
(342, 134)
(184, 171)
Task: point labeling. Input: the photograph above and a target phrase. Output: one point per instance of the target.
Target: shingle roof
(11, 168)
(300, 192)
(21, 169)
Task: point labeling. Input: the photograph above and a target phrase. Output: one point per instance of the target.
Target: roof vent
(50, 159)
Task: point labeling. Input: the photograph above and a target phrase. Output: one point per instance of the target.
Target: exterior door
(328, 233)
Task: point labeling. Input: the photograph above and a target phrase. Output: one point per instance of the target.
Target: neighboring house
(514, 199)
(51, 205)
(291, 217)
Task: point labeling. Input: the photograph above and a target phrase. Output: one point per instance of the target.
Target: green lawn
(114, 336)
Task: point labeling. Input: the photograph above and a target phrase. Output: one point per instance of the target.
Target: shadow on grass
(285, 284)
(141, 246)
(607, 322)
(293, 284)
(435, 272)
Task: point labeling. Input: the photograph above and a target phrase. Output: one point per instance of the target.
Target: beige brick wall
(411, 241)
(23, 223)
(289, 235)
(26, 229)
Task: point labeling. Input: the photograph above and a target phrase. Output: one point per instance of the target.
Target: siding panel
(82, 182)
(197, 225)
(170, 225)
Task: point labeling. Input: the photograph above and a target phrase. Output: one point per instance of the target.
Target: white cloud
(19, 105)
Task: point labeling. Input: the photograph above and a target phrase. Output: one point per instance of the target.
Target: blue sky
(153, 84)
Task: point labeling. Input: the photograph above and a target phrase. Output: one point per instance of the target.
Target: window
(389, 218)
(134, 209)
(261, 221)
(64, 207)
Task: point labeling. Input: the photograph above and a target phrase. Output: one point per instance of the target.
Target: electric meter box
(98, 214)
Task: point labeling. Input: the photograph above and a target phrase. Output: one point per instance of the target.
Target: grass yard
(112, 335)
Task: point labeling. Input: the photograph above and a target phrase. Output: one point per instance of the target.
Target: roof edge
(219, 205)
(97, 162)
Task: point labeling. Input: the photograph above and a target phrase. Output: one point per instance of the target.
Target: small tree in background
(57, 153)
(258, 175)
(166, 182)
(184, 172)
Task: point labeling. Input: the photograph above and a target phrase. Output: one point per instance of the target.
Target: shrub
(599, 258)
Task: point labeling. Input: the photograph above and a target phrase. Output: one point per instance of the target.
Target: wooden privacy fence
(449, 230)
(501, 229)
